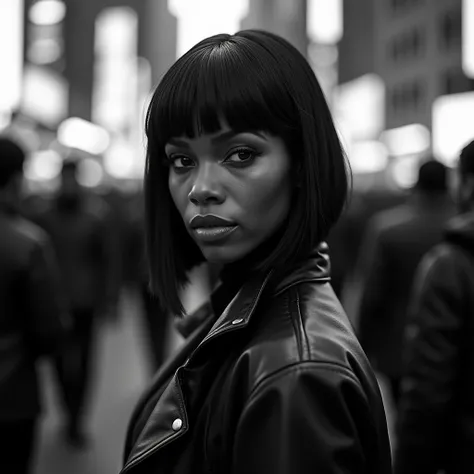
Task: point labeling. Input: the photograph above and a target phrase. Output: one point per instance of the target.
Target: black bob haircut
(255, 81)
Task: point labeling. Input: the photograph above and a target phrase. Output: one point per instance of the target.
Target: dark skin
(243, 178)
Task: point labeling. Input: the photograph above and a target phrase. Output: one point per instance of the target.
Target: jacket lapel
(168, 420)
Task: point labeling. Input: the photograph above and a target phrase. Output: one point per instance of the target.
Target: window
(408, 96)
(399, 6)
(450, 26)
(407, 46)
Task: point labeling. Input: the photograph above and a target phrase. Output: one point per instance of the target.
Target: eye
(242, 156)
(181, 162)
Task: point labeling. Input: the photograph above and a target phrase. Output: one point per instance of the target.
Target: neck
(250, 263)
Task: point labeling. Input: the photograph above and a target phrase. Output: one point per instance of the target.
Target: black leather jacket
(436, 423)
(32, 318)
(278, 384)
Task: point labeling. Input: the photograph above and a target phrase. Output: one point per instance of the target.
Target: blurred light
(144, 85)
(90, 173)
(5, 120)
(116, 32)
(45, 95)
(324, 21)
(360, 105)
(405, 171)
(407, 140)
(43, 165)
(119, 160)
(11, 53)
(468, 38)
(47, 12)
(368, 157)
(199, 19)
(344, 134)
(77, 133)
(44, 51)
(452, 125)
(115, 70)
(323, 55)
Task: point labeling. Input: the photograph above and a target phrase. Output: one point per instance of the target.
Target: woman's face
(232, 190)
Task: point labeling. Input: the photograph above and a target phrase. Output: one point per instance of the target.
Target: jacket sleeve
(48, 321)
(432, 355)
(307, 419)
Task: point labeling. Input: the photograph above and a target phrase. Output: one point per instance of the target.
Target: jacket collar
(169, 420)
(317, 267)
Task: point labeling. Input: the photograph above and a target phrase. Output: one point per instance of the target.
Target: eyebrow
(222, 137)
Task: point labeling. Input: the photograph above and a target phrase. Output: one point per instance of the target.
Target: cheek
(268, 200)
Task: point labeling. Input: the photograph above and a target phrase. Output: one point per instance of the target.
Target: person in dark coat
(395, 242)
(77, 224)
(435, 431)
(247, 171)
(33, 318)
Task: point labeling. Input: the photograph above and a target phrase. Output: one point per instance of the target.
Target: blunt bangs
(251, 81)
(224, 81)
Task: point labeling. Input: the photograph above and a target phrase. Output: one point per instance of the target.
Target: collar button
(177, 424)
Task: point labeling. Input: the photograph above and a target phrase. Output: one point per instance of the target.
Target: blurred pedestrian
(32, 316)
(395, 242)
(436, 423)
(245, 170)
(77, 224)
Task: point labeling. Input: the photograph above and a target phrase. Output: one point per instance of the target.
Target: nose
(207, 188)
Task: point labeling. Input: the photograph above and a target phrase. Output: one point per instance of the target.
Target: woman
(245, 170)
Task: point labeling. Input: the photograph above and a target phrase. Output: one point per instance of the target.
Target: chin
(222, 255)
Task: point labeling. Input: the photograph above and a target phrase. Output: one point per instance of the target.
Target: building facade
(415, 46)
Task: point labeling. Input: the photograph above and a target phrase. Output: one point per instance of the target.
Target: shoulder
(28, 233)
(23, 238)
(305, 330)
(443, 260)
(445, 266)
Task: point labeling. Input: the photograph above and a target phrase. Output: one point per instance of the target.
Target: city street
(119, 379)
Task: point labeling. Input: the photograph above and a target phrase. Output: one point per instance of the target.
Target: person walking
(77, 224)
(33, 316)
(395, 242)
(435, 431)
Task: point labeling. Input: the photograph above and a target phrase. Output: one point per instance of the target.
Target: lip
(209, 220)
(211, 228)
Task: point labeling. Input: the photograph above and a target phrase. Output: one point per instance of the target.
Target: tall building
(283, 17)
(415, 46)
(357, 46)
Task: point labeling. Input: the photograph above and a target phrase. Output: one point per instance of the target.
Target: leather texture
(436, 427)
(277, 384)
